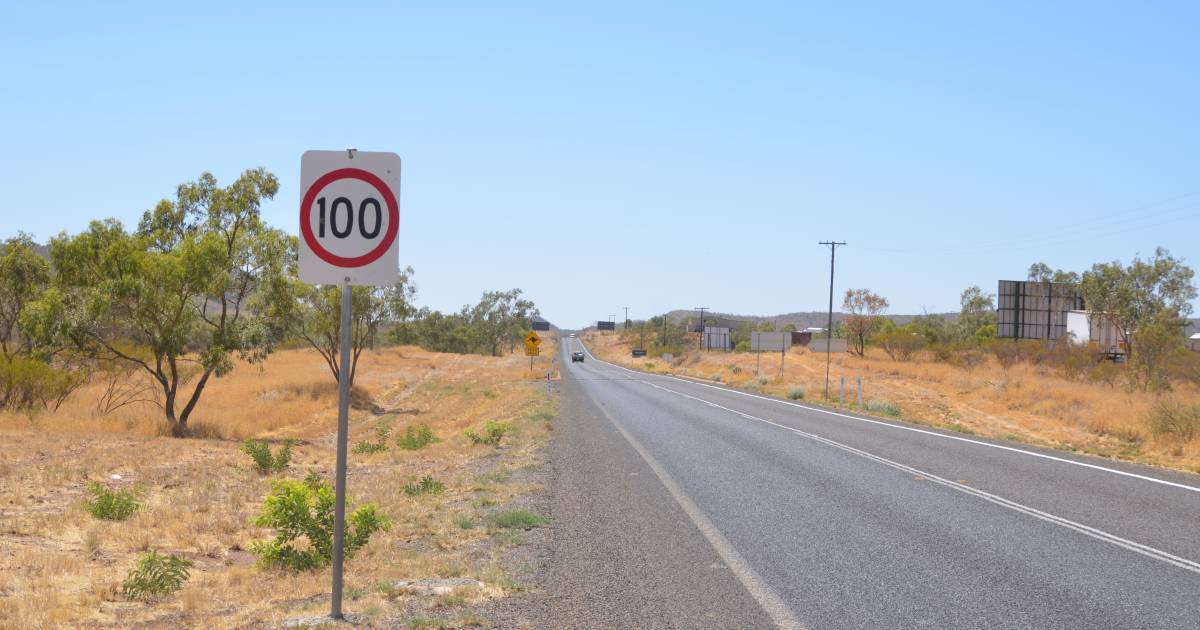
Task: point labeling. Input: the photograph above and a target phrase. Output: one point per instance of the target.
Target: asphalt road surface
(679, 504)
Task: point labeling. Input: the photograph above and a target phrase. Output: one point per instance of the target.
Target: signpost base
(339, 509)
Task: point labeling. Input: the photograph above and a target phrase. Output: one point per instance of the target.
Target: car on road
(576, 357)
(572, 334)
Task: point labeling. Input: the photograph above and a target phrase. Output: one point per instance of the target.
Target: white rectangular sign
(349, 217)
(770, 341)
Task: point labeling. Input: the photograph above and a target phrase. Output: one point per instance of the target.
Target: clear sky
(605, 155)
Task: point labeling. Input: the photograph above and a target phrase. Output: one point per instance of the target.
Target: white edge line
(767, 598)
(904, 428)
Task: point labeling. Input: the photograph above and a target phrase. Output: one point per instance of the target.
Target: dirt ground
(1027, 403)
(61, 567)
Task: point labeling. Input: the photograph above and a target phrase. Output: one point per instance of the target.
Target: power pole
(627, 317)
(833, 245)
(701, 309)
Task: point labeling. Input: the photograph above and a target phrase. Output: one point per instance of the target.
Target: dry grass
(59, 567)
(1027, 403)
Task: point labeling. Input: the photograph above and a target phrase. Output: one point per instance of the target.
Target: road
(679, 504)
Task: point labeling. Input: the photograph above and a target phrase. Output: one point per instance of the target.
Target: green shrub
(516, 519)
(27, 383)
(796, 393)
(379, 445)
(464, 522)
(155, 575)
(416, 437)
(1172, 419)
(264, 462)
(304, 509)
(425, 486)
(493, 432)
(111, 505)
(883, 407)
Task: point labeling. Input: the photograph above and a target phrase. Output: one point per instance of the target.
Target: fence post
(860, 392)
(842, 390)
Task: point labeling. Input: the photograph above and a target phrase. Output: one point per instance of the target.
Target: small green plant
(111, 505)
(304, 509)
(382, 433)
(762, 380)
(464, 522)
(1172, 419)
(883, 407)
(796, 393)
(155, 575)
(516, 519)
(264, 462)
(426, 485)
(416, 437)
(493, 432)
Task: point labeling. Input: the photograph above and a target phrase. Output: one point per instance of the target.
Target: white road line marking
(1098, 534)
(767, 598)
(913, 429)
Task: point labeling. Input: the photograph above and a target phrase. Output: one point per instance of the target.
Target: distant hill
(802, 320)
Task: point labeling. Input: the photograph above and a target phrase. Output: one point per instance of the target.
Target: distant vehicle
(572, 334)
(576, 357)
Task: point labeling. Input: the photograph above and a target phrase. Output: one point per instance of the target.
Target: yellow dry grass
(1027, 403)
(60, 567)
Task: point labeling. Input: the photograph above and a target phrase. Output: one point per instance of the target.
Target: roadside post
(349, 219)
(860, 392)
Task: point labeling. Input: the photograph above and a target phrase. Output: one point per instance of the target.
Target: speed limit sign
(349, 217)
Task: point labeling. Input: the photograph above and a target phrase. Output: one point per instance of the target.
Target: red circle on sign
(388, 198)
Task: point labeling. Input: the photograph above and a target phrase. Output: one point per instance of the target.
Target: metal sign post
(349, 218)
(339, 506)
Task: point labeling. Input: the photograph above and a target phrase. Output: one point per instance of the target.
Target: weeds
(493, 432)
(382, 433)
(426, 485)
(516, 519)
(264, 462)
(111, 505)
(883, 407)
(1172, 419)
(464, 522)
(416, 437)
(305, 510)
(155, 575)
(796, 393)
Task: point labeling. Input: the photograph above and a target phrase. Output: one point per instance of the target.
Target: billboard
(715, 338)
(606, 326)
(770, 341)
(1035, 310)
(539, 324)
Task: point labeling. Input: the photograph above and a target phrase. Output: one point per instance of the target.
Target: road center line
(1101, 535)
(900, 427)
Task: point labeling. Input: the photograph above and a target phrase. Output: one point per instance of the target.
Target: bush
(516, 519)
(264, 462)
(416, 437)
(796, 393)
(883, 407)
(425, 486)
(111, 505)
(155, 575)
(1172, 419)
(378, 446)
(493, 432)
(901, 343)
(304, 509)
(27, 383)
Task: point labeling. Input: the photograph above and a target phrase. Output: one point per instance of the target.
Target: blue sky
(656, 157)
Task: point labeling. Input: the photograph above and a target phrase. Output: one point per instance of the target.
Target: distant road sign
(638, 353)
(349, 217)
(539, 324)
(606, 326)
(532, 341)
